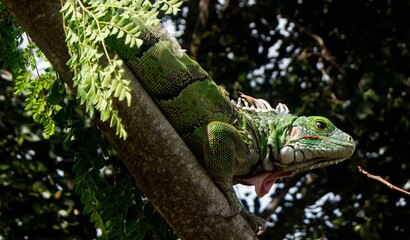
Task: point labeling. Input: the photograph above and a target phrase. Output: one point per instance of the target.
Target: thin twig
(380, 179)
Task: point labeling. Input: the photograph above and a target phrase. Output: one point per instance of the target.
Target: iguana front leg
(225, 152)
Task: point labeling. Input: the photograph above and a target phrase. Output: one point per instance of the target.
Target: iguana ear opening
(295, 132)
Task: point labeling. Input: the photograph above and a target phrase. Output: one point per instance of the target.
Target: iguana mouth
(311, 164)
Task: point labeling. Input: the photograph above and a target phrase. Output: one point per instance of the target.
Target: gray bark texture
(163, 167)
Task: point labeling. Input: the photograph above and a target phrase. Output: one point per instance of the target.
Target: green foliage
(42, 98)
(114, 205)
(36, 176)
(168, 7)
(98, 75)
(23, 64)
(37, 194)
(11, 57)
(64, 189)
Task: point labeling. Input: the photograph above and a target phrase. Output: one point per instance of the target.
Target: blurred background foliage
(346, 60)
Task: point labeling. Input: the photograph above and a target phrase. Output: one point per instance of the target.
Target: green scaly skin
(244, 142)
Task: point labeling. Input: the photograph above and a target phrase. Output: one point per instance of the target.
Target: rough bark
(163, 167)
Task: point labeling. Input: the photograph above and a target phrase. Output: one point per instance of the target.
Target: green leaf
(79, 188)
(169, 11)
(114, 31)
(122, 94)
(104, 115)
(118, 90)
(128, 97)
(63, 115)
(129, 26)
(94, 217)
(120, 34)
(88, 208)
(113, 121)
(127, 39)
(86, 197)
(55, 93)
(49, 127)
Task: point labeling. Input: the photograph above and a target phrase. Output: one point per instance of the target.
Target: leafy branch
(99, 78)
(43, 92)
(98, 75)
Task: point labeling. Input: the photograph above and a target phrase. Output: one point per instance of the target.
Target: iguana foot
(257, 223)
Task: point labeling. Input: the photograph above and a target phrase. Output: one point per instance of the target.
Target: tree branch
(199, 27)
(380, 179)
(162, 166)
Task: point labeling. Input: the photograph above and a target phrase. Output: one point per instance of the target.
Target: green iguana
(244, 141)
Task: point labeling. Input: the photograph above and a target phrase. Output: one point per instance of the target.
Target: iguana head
(312, 142)
(294, 144)
(304, 144)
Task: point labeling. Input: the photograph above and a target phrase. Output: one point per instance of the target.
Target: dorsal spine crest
(251, 104)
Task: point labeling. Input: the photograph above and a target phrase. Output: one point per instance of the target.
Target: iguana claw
(257, 223)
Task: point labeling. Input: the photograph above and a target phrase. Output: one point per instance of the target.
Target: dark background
(346, 60)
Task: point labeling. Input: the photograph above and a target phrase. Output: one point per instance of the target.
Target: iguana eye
(321, 125)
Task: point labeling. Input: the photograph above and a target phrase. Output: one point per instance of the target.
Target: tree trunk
(162, 166)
